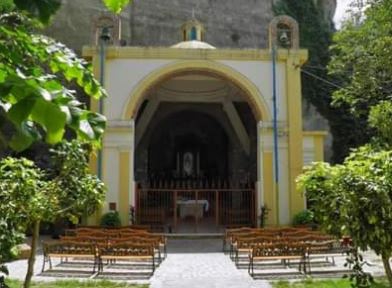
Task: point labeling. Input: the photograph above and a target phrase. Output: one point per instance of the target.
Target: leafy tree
(355, 199)
(36, 74)
(362, 59)
(29, 195)
(346, 129)
(36, 102)
(31, 92)
(380, 119)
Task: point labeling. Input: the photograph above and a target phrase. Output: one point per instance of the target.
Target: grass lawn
(333, 283)
(74, 284)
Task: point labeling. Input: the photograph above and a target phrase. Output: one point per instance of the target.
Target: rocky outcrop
(329, 8)
(228, 23)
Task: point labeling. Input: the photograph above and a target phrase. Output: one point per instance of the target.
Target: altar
(195, 208)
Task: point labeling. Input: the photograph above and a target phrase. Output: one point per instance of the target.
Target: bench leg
(100, 265)
(307, 263)
(159, 256)
(153, 264)
(43, 263)
(96, 264)
(302, 265)
(251, 267)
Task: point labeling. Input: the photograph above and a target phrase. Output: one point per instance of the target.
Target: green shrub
(304, 217)
(111, 219)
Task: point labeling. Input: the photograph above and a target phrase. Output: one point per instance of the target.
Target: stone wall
(228, 23)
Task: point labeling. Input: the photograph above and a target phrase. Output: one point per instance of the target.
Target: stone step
(194, 235)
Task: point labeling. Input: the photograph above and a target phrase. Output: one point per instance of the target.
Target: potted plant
(304, 218)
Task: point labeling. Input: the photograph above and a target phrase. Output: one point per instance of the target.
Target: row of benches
(111, 245)
(283, 244)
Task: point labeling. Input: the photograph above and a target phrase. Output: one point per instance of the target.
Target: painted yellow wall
(295, 141)
(124, 181)
(269, 191)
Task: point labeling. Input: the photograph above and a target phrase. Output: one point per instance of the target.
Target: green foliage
(305, 217)
(362, 59)
(6, 6)
(23, 199)
(264, 211)
(40, 9)
(358, 277)
(22, 193)
(32, 95)
(79, 192)
(111, 219)
(380, 119)
(28, 195)
(116, 5)
(347, 130)
(314, 283)
(355, 199)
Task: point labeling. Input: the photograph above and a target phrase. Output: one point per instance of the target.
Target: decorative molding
(250, 91)
(315, 133)
(114, 52)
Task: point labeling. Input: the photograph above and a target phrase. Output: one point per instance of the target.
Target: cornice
(115, 52)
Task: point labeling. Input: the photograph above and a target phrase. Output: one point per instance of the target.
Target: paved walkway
(192, 264)
(208, 268)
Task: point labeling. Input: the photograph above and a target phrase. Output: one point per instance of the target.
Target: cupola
(192, 36)
(192, 30)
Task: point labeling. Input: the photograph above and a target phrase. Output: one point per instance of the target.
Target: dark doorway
(188, 144)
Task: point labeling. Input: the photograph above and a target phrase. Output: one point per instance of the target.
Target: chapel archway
(196, 139)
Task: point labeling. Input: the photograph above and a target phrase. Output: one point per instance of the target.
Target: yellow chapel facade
(202, 137)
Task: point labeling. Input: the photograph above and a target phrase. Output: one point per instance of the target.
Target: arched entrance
(197, 154)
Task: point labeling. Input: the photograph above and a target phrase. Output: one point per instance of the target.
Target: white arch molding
(250, 91)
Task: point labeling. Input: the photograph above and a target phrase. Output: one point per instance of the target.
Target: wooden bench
(244, 245)
(69, 249)
(326, 249)
(284, 251)
(126, 251)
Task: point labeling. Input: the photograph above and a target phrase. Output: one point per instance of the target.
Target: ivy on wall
(316, 33)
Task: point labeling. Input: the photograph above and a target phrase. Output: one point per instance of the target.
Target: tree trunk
(387, 267)
(31, 261)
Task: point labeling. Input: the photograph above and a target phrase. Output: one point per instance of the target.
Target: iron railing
(188, 206)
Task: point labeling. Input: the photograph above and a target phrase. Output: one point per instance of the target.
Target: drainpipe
(104, 38)
(275, 128)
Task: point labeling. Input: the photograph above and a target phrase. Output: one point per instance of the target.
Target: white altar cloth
(193, 208)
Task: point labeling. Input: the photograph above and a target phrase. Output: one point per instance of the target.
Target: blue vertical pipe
(275, 127)
(100, 107)
(275, 116)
